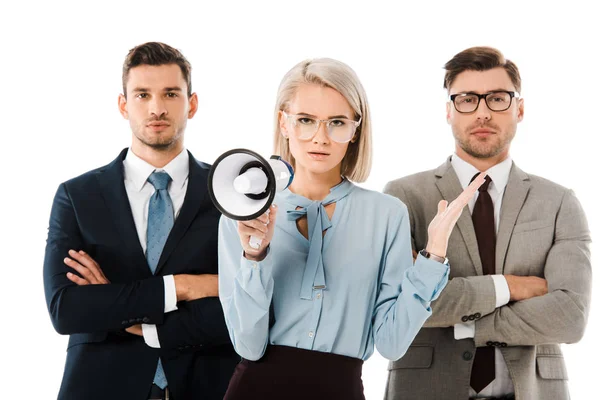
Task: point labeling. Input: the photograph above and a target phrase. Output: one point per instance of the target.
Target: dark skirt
(288, 373)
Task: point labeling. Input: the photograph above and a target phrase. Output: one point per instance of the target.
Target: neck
(482, 164)
(314, 186)
(154, 157)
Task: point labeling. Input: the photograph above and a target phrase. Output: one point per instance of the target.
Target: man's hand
(90, 271)
(525, 287)
(135, 330)
(192, 287)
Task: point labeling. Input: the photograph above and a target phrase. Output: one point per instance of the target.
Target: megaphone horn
(242, 184)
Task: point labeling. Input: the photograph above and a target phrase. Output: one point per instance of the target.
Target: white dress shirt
(499, 173)
(139, 191)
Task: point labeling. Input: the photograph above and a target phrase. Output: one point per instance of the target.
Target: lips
(318, 155)
(482, 131)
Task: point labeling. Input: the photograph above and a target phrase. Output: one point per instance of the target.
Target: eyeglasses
(340, 130)
(499, 100)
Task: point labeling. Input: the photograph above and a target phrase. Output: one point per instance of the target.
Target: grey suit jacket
(543, 232)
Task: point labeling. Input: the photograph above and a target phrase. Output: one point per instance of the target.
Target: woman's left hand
(441, 226)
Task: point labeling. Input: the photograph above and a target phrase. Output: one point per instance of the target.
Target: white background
(61, 74)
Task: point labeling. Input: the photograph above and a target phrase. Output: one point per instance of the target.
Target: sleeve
(561, 315)
(150, 335)
(405, 291)
(501, 289)
(245, 291)
(463, 296)
(170, 293)
(196, 325)
(148, 330)
(467, 329)
(91, 308)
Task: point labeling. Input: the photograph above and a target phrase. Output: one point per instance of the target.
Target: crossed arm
(81, 299)
(552, 309)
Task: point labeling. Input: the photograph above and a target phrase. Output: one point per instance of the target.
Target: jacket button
(503, 344)
(471, 317)
(467, 355)
(145, 320)
(124, 322)
(465, 318)
(490, 343)
(477, 315)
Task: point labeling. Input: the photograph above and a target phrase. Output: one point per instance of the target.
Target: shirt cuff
(264, 264)
(150, 335)
(464, 331)
(428, 277)
(502, 290)
(170, 294)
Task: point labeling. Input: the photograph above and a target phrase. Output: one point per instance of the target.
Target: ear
(521, 110)
(123, 106)
(448, 111)
(193, 104)
(283, 126)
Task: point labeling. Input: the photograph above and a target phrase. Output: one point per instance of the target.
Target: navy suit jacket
(92, 213)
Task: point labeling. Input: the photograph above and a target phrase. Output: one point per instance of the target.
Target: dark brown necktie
(484, 364)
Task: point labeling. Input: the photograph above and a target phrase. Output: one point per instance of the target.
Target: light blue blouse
(342, 292)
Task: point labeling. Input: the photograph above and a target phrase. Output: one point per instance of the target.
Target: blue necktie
(160, 222)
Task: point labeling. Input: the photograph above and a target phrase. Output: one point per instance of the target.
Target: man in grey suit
(520, 260)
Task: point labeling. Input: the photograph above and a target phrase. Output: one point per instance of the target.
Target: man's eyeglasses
(340, 130)
(499, 100)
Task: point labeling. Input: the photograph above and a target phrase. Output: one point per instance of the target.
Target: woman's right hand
(261, 228)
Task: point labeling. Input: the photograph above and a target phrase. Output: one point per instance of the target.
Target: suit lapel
(512, 203)
(111, 181)
(196, 197)
(450, 188)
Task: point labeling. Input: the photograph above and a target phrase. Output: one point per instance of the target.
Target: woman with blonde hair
(334, 275)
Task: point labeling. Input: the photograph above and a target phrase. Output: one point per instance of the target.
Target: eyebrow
(167, 89)
(330, 117)
(489, 91)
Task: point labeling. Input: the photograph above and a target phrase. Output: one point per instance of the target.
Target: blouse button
(311, 334)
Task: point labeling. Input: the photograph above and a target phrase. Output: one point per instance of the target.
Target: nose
(321, 135)
(483, 112)
(157, 107)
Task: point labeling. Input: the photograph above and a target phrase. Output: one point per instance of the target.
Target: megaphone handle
(254, 241)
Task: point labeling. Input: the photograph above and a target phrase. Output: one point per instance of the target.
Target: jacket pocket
(551, 367)
(533, 225)
(80, 338)
(417, 356)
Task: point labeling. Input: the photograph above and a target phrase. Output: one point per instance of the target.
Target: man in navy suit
(130, 265)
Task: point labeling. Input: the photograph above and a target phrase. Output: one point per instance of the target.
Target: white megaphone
(242, 184)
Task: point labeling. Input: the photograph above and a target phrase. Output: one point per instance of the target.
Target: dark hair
(480, 59)
(156, 53)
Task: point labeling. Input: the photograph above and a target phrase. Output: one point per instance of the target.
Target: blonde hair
(334, 74)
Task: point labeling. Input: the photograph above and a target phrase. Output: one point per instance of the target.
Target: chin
(320, 168)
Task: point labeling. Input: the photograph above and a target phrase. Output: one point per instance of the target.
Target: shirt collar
(498, 173)
(137, 170)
